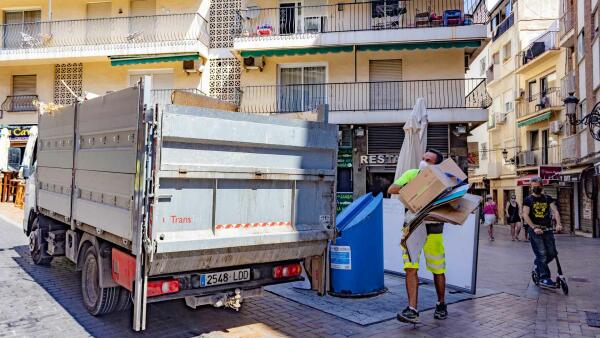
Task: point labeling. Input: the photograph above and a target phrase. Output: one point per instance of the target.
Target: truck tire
(124, 300)
(97, 300)
(38, 245)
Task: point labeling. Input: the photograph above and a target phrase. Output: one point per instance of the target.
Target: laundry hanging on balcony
(151, 58)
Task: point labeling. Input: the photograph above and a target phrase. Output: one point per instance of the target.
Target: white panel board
(460, 243)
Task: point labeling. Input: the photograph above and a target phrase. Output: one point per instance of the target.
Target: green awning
(539, 118)
(140, 59)
(296, 51)
(420, 45)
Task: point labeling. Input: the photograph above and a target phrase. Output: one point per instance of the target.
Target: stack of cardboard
(437, 194)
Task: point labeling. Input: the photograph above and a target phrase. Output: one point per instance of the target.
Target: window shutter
(385, 139)
(437, 137)
(24, 85)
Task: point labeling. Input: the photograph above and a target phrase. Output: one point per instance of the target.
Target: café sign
(379, 159)
(19, 132)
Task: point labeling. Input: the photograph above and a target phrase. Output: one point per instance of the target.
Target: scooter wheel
(563, 286)
(534, 278)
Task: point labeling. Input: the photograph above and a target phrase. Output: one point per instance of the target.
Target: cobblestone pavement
(45, 302)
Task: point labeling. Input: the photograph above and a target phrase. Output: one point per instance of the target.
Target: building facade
(579, 37)
(513, 58)
(56, 51)
(369, 62)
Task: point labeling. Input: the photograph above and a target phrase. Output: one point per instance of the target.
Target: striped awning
(296, 51)
(420, 45)
(535, 119)
(141, 59)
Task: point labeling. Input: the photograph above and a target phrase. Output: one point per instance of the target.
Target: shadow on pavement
(165, 319)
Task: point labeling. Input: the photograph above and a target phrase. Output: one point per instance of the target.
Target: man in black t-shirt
(536, 212)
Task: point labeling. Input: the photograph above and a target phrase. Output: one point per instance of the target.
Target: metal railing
(542, 156)
(565, 24)
(19, 103)
(539, 101)
(121, 31)
(503, 26)
(163, 96)
(365, 96)
(545, 42)
(360, 16)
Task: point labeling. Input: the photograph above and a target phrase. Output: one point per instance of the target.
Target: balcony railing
(19, 103)
(543, 156)
(565, 24)
(163, 96)
(365, 96)
(135, 31)
(547, 41)
(540, 101)
(503, 27)
(360, 16)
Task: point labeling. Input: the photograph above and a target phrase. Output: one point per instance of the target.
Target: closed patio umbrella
(4, 145)
(415, 139)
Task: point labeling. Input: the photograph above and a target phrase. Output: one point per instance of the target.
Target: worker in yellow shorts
(433, 248)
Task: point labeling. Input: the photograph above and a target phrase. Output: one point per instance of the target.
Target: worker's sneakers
(408, 315)
(441, 311)
(547, 284)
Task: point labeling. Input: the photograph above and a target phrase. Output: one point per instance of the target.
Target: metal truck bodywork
(183, 189)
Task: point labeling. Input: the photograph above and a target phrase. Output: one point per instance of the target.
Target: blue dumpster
(356, 258)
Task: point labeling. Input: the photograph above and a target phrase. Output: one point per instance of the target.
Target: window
(595, 23)
(507, 50)
(23, 28)
(531, 91)
(580, 47)
(547, 83)
(24, 87)
(533, 140)
(482, 68)
(508, 9)
(508, 101)
(302, 88)
(496, 58)
(484, 152)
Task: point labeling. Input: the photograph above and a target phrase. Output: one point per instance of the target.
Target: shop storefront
(18, 135)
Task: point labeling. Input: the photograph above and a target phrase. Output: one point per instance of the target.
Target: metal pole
(49, 10)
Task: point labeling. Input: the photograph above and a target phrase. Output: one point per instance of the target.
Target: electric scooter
(561, 281)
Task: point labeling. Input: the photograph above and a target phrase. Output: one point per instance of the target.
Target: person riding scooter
(536, 212)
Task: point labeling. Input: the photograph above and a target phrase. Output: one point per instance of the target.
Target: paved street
(45, 302)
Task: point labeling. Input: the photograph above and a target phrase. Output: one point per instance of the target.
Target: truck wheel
(38, 245)
(124, 300)
(97, 300)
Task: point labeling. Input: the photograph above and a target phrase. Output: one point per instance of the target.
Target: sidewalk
(11, 214)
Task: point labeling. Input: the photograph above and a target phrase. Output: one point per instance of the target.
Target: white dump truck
(157, 203)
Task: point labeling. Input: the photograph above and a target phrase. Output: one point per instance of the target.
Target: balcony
(538, 104)
(578, 147)
(567, 84)
(544, 156)
(448, 100)
(354, 23)
(547, 42)
(566, 33)
(503, 27)
(170, 33)
(18, 103)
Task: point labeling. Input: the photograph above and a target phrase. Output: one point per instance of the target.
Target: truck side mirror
(26, 171)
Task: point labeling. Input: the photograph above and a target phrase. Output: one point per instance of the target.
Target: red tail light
(287, 271)
(161, 287)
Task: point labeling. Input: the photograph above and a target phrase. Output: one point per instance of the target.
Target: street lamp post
(571, 102)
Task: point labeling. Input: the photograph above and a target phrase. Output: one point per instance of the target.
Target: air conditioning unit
(193, 66)
(254, 63)
(555, 127)
(500, 118)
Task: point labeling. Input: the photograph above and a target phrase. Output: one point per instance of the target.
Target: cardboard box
(429, 184)
(457, 211)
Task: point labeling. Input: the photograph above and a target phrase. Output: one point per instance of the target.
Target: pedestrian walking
(538, 211)
(490, 214)
(433, 248)
(513, 217)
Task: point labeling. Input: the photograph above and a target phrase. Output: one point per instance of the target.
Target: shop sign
(19, 132)
(473, 154)
(549, 173)
(344, 199)
(344, 159)
(379, 159)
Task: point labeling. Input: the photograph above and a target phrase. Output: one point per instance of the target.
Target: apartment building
(369, 62)
(579, 37)
(57, 50)
(521, 74)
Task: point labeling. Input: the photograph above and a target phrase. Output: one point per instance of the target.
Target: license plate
(224, 277)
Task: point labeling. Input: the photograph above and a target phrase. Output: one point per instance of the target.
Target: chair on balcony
(422, 19)
(544, 102)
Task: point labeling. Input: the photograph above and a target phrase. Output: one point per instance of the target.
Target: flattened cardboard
(457, 211)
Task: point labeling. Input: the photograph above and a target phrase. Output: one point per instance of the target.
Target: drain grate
(579, 279)
(593, 318)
